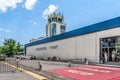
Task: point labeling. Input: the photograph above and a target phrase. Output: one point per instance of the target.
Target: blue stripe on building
(109, 24)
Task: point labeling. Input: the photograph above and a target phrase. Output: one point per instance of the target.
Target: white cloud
(5, 30)
(12, 4)
(49, 10)
(5, 4)
(29, 4)
(33, 23)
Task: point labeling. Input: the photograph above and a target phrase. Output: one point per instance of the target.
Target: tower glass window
(55, 19)
(49, 20)
(53, 30)
(62, 29)
(60, 20)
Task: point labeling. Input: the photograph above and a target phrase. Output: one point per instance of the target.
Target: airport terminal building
(88, 42)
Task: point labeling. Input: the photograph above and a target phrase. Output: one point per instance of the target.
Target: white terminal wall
(78, 47)
(66, 49)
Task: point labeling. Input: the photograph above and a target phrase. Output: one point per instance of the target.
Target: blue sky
(23, 20)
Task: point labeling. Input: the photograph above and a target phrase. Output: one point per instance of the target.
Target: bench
(77, 61)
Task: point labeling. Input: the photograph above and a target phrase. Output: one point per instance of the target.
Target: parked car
(2, 58)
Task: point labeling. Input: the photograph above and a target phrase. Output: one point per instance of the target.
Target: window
(53, 30)
(62, 28)
(110, 45)
(60, 20)
(49, 20)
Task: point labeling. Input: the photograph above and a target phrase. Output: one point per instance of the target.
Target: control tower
(55, 24)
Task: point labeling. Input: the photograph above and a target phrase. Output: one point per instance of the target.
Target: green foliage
(118, 50)
(118, 43)
(11, 47)
(0, 49)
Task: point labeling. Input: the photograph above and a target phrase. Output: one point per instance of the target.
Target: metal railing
(13, 64)
(5, 66)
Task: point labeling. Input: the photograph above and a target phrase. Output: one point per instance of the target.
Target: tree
(1, 49)
(18, 48)
(11, 47)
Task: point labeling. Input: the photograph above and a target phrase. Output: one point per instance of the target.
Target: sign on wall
(47, 47)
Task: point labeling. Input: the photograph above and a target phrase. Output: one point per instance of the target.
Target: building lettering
(45, 48)
(53, 47)
(41, 48)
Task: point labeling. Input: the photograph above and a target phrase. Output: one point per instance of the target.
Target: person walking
(102, 58)
(106, 56)
(113, 55)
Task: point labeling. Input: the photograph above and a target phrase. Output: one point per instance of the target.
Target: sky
(23, 20)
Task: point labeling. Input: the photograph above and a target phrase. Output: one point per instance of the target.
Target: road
(61, 71)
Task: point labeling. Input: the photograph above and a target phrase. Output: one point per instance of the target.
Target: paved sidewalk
(26, 75)
(16, 76)
(110, 64)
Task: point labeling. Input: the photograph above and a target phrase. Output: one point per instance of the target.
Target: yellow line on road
(39, 77)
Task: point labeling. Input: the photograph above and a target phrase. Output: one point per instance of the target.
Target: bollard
(40, 66)
(86, 62)
(69, 64)
(17, 62)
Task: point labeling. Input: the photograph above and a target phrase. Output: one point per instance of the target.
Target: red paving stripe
(102, 67)
(88, 72)
(116, 78)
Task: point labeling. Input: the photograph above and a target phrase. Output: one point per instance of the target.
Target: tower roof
(55, 17)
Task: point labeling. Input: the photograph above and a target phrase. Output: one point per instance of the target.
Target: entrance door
(110, 53)
(108, 45)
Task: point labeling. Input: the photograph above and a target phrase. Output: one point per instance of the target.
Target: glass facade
(55, 19)
(111, 46)
(60, 20)
(49, 20)
(62, 29)
(53, 30)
